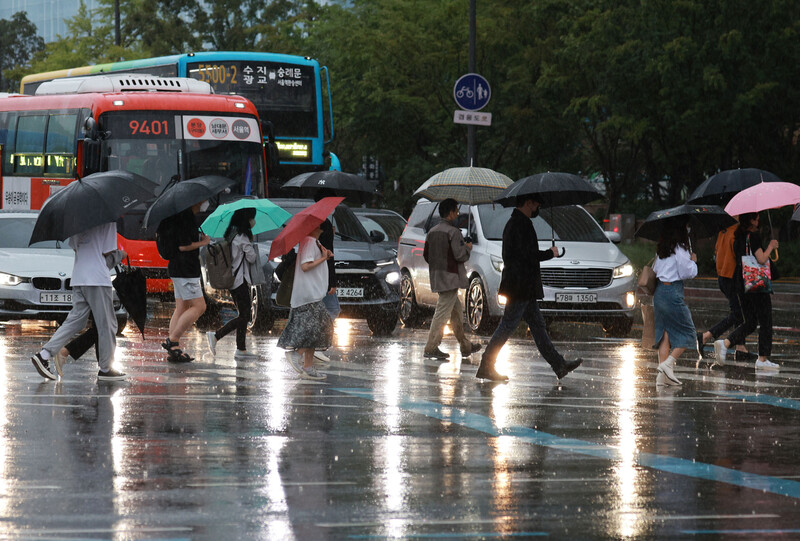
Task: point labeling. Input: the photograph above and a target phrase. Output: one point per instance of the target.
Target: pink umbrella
(763, 196)
(302, 224)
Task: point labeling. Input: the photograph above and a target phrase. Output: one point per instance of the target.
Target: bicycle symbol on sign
(465, 90)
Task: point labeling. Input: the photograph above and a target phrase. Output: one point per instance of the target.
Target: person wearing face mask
(521, 283)
(184, 270)
(243, 255)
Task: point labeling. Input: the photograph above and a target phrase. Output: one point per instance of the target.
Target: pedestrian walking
(521, 283)
(310, 326)
(243, 255)
(756, 305)
(92, 293)
(726, 266)
(445, 252)
(674, 328)
(184, 270)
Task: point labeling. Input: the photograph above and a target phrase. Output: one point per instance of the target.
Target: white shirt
(309, 286)
(678, 266)
(90, 267)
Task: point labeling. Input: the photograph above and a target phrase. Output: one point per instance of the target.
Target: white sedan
(35, 280)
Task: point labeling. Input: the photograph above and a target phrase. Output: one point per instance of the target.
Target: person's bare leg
(192, 310)
(308, 357)
(663, 348)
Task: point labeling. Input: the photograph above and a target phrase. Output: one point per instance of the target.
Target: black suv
(368, 275)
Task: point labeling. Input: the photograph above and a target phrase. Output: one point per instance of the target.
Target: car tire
(618, 327)
(261, 318)
(476, 309)
(382, 323)
(410, 312)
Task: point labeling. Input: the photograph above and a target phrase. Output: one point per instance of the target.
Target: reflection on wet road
(395, 446)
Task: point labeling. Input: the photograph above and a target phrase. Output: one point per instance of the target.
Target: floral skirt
(309, 326)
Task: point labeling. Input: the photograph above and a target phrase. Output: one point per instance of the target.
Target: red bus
(75, 127)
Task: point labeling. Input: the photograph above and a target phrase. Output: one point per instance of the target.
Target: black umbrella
(131, 286)
(720, 188)
(90, 201)
(339, 182)
(182, 195)
(705, 220)
(552, 190)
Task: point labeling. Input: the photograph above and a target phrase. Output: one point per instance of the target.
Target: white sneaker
(295, 360)
(212, 342)
(320, 359)
(311, 373)
(666, 369)
(721, 351)
(244, 355)
(766, 364)
(663, 381)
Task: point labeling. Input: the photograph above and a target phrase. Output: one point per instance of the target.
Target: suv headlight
(497, 263)
(392, 278)
(623, 271)
(11, 279)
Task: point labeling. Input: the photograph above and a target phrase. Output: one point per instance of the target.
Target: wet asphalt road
(394, 446)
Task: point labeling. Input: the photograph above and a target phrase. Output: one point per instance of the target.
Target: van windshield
(570, 223)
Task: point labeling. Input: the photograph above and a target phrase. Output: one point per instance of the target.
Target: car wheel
(261, 318)
(382, 323)
(477, 309)
(410, 312)
(618, 327)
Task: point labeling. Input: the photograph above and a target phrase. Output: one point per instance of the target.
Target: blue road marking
(679, 466)
(758, 398)
(737, 532)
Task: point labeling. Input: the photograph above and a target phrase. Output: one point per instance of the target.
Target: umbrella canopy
(720, 188)
(302, 224)
(269, 216)
(705, 220)
(341, 183)
(764, 196)
(553, 189)
(470, 185)
(182, 195)
(131, 286)
(91, 201)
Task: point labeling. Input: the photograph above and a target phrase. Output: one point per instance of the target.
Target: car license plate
(350, 292)
(576, 297)
(55, 298)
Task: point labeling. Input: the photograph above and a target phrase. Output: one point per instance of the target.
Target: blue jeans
(516, 311)
(331, 303)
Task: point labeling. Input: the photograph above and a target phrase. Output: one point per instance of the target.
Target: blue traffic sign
(472, 92)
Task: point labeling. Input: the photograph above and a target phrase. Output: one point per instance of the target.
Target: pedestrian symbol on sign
(472, 92)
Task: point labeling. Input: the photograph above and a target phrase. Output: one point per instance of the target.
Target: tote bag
(757, 277)
(647, 279)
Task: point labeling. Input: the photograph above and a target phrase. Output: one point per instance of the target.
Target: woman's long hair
(240, 223)
(673, 234)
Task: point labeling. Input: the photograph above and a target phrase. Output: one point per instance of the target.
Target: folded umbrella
(91, 201)
(302, 224)
(269, 216)
(131, 287)
(720, 188)
(705, 220)
(182, 195)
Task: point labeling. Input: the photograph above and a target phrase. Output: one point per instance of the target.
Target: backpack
(219, 265)
(166, 243)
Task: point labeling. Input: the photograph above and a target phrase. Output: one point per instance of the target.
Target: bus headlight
(630, 299)
(392, 278)
(623, 271)
(10, 279)
(497, 263)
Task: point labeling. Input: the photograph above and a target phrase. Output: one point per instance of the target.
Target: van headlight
(392, 278)
(11, 279)
(497, 263)
(623, 271)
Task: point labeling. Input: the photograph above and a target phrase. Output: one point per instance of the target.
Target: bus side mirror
(271, 146)
(90, 129)
(90, 153)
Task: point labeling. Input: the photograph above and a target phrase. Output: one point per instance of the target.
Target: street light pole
(117, 36)
(471, 128)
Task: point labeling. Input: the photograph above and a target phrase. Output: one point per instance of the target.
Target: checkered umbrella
(470, 185)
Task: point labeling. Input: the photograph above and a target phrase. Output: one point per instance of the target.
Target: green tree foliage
(18, 44)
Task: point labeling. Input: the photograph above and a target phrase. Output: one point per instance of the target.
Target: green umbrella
(269, 216)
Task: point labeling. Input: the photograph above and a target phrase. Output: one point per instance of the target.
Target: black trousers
(734, 317)
(757, 309)
(241, 297)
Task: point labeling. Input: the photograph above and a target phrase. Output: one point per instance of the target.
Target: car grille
(47, 284)
(370, 283)
(583, 278)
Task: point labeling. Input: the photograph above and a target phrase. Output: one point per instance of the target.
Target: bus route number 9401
(149, 127)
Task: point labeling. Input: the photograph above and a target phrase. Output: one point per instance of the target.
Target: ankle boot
(666, 369)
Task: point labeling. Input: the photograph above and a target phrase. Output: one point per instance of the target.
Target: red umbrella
(302, 224)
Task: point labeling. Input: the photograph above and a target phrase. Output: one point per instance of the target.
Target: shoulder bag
(757, 277)
(647, 279)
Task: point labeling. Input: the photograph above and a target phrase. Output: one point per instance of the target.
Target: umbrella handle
(563, 251)
(774, 256)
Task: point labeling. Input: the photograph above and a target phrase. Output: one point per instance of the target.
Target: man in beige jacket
(445, 252)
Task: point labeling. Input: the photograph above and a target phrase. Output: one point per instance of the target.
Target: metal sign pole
(471, 128)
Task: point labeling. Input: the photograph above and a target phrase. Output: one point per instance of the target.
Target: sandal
(178, 356)
(168, 344)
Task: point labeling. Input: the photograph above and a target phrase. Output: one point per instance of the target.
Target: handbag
(257, 276)
(648, 326)
(757, 277)
(283, 297)
(647, 279)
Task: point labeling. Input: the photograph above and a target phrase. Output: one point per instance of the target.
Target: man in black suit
(521, 283)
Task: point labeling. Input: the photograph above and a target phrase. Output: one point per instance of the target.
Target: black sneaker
(111, 375)
(437, 354)
(474, 348)
(42, 366)
(567, 367)
(744, 356)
